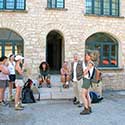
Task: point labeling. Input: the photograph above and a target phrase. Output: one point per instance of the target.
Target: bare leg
(85, 98)
(10, 88)
(1, 94)
(17, 95)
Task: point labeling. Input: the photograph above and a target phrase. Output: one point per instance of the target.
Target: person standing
(12, 76)
(88, 70)
(4, 72)
(18, 82)
(76, 77)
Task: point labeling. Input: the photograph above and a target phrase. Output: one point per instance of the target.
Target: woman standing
(88, 70)
(12, 75)
(19, 82)
(4, 72)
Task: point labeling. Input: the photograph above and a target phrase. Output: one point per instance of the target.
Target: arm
(19, 70)
(62, 72)
(4, 70)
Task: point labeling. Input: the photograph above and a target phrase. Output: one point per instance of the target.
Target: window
(107, 47)
(10, 42)
(102, 7)
(55, 3)
(12, 4)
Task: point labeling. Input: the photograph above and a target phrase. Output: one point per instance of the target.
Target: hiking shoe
(85, 112)
(90, 109)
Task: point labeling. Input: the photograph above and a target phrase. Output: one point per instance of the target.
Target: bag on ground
(27, 94)
(95, 98)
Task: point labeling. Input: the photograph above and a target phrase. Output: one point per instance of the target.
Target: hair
(47, 66)
(2, 58)
(11, 56)
(75, 54)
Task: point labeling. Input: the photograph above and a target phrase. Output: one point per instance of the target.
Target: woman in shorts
(12, 76)
(4, 72)
(87, 74)
(19, 82)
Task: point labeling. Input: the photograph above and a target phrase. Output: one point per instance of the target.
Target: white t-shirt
(74, 71)
(11, 68)
(83, 65)
(87, 76)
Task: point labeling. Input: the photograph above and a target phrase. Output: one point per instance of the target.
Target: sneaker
(40, 86)
(80, 105)
(20, 104)
(4, 103)
(11, 98)
(74, 99)
(49, 85)
(67, 83)
(18, 107)
(76, 103)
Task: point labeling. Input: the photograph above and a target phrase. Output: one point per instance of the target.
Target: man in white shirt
(76, 77)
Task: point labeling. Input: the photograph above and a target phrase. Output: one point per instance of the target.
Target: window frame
(102, 8)
(15, 6)
(112, 52)
(13, 44)
(55, 7)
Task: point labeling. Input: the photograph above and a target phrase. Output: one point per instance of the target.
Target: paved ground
(111, 111)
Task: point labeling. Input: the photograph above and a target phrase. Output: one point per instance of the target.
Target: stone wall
(37, 21)
(113, 81)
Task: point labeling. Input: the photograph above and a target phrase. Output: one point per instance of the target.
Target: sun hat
(18, 57)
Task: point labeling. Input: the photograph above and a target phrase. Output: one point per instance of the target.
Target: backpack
(96, 76)
(27, 93)
(27, 96)
(95, 98)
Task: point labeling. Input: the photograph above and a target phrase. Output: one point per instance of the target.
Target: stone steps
(56, 93)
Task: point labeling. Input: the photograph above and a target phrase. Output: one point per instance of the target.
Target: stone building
(53, 30)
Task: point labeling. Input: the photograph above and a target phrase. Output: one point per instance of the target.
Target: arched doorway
(54, 51)
(107, 46)
(10, 42)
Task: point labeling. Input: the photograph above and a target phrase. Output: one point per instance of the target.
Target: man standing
(76, 77)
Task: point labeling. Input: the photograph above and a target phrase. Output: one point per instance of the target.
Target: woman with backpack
(87, 73)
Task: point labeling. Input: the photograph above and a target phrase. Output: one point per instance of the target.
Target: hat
(10, 55)
(18, 57)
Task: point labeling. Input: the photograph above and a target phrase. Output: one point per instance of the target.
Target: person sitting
(44, 75)
(65, 75)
